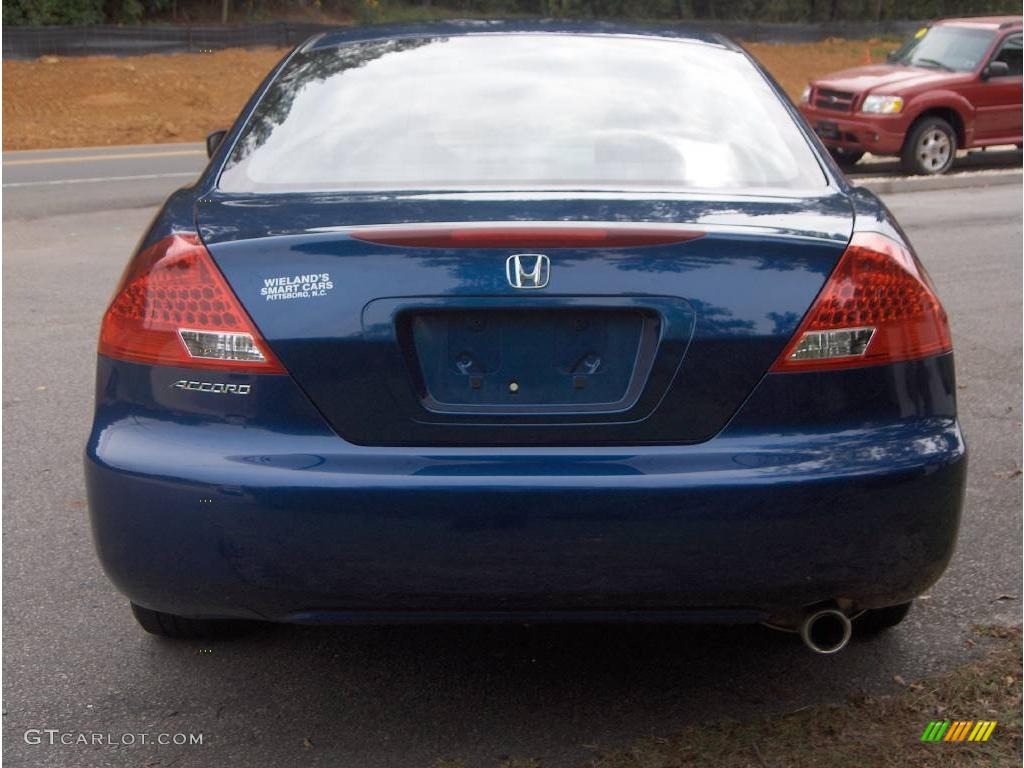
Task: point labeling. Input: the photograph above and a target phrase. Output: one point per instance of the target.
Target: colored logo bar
(958, 730)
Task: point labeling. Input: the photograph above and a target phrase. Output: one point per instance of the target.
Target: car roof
(347, 35)
(984, 22)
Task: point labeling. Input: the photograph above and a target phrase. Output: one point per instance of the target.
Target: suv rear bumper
(245, 523)
(878, 134)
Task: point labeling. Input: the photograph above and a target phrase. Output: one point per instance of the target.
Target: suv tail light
(878, 306)
(173, 307)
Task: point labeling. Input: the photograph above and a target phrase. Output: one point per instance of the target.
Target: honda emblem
(528, 270)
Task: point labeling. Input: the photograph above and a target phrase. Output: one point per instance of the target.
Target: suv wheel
(880, 619)
(845, 158)
(181, 628)
(930, 147)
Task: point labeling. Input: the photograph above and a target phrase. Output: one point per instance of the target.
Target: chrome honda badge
(528, 270)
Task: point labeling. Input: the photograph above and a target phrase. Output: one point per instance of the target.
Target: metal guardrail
(32, 42)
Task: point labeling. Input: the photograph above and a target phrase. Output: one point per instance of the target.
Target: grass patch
(869, 731)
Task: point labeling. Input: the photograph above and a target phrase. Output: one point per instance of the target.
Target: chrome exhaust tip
(826, 631)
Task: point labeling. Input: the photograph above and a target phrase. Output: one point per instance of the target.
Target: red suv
(955, 84)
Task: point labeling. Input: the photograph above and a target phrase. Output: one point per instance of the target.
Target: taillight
(878, 306)
(173, 307)
(524, 236)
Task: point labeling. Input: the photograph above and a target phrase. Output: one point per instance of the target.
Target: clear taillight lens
(878, 306)
(173, 307)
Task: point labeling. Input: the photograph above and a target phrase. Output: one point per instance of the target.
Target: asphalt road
(367, 697)
(49, 182)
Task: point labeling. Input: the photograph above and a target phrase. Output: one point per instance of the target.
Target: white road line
(99, 179)
(109, 156)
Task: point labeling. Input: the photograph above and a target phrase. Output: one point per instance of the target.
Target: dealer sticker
(296, 286)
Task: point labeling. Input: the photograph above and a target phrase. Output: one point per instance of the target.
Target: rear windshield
(525, 111)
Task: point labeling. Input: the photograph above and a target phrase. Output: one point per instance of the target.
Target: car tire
(929, 148)
(880, 619)
(845, 158)
(182, 628)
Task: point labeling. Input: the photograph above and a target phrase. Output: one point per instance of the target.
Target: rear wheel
(846, 158)
(930, 147)
(181, 628)
(880, 619)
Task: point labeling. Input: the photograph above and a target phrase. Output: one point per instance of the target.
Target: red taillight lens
(531, 236)
(173, 307)
(878, 306)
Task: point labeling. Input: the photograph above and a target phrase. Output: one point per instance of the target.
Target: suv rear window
(523, 111)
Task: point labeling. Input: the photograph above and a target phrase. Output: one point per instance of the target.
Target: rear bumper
(242, 522)
(878, 134)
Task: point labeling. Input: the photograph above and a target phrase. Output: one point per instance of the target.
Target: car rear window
(523, 111)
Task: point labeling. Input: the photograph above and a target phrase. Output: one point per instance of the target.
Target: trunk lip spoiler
(219, 238)
(673, 232)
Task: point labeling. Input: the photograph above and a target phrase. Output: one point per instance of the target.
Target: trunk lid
(652, 337)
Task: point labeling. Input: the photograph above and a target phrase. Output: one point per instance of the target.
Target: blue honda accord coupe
(505, 322)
